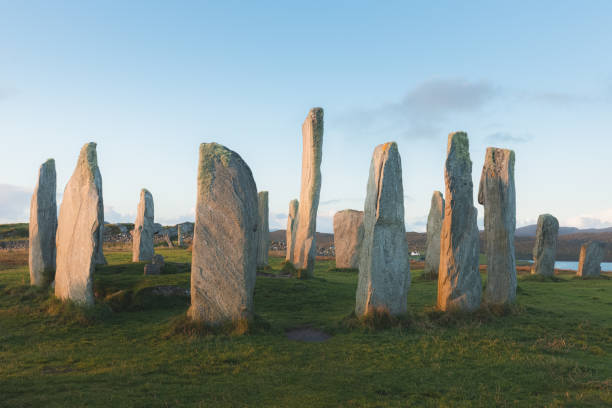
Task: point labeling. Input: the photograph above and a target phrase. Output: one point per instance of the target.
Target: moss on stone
(211, 153)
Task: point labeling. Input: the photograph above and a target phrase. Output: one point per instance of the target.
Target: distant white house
(415, 253)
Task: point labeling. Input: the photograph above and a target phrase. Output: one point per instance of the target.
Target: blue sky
(149, 81)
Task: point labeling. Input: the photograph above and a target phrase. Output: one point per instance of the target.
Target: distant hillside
(530, 231)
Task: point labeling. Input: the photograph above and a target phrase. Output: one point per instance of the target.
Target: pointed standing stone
(591, 256)
(348, 235)
(78, 232)
(43, 225)
(142, 241)
(434, 226)
(498, 196)
(291, 228)
(545, 249)
(384, 264)
(459, 282)
(263, 230)
(224, 260)
(305, 248)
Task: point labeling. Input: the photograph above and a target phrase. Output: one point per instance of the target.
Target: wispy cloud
(600, 219)
(505, 137)
(14, 203)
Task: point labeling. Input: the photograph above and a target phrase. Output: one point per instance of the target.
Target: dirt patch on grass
(307, 335)
(13, 258)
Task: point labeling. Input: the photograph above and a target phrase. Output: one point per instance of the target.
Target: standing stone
(224, 260)
(142, 241)
(168, 240)
(291, 228)
(591, 256)
(348, 235)
(459, 282)
(43, 225)
(545, 249)
(384, 263)
(78, 233)
(99, 258)
(434, 226)
(498, 196)
(179, 234)
(263, 230)
(305, 248)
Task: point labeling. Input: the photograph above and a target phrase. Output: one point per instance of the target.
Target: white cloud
(14, 203)
(600, 219)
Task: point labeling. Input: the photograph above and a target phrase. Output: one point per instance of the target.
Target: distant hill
(530, 231)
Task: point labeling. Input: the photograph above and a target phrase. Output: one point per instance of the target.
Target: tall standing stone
(305, 248)
(498, 196)
(179, 235)
(348, 235)
(263, 229)
(99, 258)
(545, 249)
(43, 225)
(224, 259)
(78, 232)
(591, 257)
(291, 228)
(459, 282)
(434, 226)
(384, 262)
(142, 241)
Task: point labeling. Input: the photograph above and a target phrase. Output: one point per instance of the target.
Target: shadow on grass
(184, 326)
(540, 278)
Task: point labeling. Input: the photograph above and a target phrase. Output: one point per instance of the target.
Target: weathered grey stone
(591, 256)
(434, 226)
(304, 246)
(179, 235)
(498, 196)
(263, 230)
(459, 282)
(152, 269)
(384, 263)
(545, 249)
(348, 235)
(168, 240)
(43, 225)
(78, 233)
(291, 228)
(158, 259)
(142, 239)
(224, 260)
(99, 257)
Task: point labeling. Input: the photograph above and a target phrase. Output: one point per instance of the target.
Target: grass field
(553, 349)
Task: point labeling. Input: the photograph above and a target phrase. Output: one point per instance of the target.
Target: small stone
(43, 225)
(459, 282)
(158, 260)
(434, 226)
(591, 257)
(348, 235)
(152, 269)
(78, 234)
(291, 228)
(263, 230)
(497, 194)
(545, 249)
(224, 257)
(142, 241)
(384, 262)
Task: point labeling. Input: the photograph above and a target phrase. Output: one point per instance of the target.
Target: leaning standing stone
(434, 226)
(305, 248)
(263, 230)
(291, 227)
(43, 225)
(545, 249)
(142, 242)
(384, 265)
(80, 220)
(224, 260)
(348, 235)
(591, 256)
(459, 283)
(498, 195)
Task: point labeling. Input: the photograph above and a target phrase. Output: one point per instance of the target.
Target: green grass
(553, 349)
(14, 232)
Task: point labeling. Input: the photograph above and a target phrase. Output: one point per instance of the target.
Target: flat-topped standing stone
(224, 259)
(498, 196)
(80, 221)
(459, 284)
(291, 228)
(263, 230)
(348, 235)
(384, 263)
(545, 249)
(142, 239)
(591, 256)
(434, 226)
(43, 225)
(305, 248)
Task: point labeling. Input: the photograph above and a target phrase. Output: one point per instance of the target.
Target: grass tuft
(184, 326)
(70, 313)
(377, 319)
